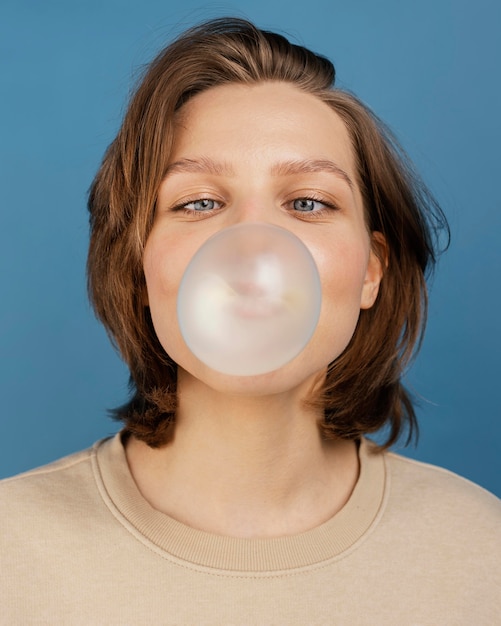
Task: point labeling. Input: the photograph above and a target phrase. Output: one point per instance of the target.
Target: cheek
(342, 267)
(342, 271)
(165, 259)
(163, 267)
(158, 279)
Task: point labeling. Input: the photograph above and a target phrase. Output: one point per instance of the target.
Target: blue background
(429, 68)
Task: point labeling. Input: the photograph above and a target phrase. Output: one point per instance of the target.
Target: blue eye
(307, 204)
(204, 204)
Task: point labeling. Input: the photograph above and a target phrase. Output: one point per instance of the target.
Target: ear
(378, 262)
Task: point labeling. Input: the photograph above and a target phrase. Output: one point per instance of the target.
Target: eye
(202, 204)
(312, 204)
(307, 204)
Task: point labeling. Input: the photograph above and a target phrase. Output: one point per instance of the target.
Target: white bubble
(249, 300)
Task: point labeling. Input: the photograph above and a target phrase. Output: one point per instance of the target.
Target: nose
(259, 209)
(251, 245)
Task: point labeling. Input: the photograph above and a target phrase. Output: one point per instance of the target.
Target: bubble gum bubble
(249, 300)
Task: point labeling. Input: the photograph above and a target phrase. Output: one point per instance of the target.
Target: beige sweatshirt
(414, 545)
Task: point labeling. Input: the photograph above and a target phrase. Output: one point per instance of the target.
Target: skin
(247, 459)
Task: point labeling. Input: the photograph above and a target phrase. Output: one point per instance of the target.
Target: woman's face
(263, 153)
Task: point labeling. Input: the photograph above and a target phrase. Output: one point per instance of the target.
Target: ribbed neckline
(199, 548)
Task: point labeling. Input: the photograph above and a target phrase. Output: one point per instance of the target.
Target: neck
(245, 466)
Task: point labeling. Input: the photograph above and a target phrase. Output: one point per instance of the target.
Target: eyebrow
(307, 166)
(205, 165)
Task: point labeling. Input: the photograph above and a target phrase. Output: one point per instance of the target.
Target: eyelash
(328, 206)
(181, 207)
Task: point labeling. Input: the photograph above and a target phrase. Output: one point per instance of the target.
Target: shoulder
(51, 470)
(48, 489)
(431, 479)
(442, 499)
(446, 529)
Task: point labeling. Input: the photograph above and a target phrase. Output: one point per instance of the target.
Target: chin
(289, 378)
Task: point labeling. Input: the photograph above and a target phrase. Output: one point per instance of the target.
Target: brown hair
(363, 389)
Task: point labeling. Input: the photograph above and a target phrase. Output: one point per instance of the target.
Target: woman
(254, 499)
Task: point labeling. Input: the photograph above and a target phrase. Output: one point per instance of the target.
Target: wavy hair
(363, 390)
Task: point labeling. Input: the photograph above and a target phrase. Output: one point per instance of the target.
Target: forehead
(260, 119)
